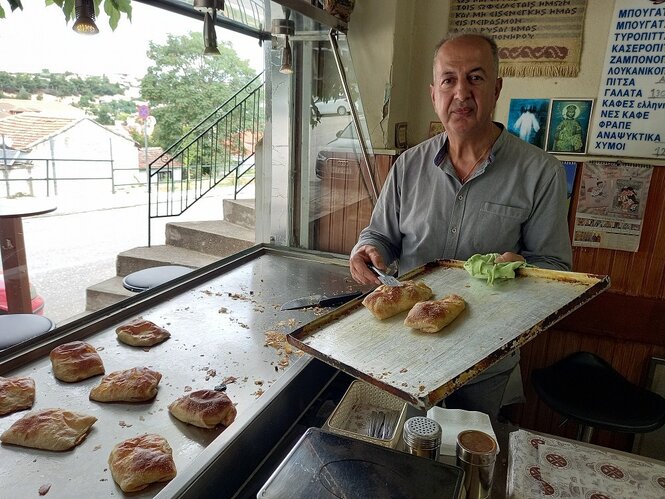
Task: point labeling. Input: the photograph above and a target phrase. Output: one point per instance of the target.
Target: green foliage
(113, 8)
(183, 86)
(58, 84)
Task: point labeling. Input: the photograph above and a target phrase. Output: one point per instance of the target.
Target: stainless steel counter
(218, 317)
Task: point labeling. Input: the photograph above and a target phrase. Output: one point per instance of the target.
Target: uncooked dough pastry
(49, 429)
(142, 333)
(432, 316)
(137, 462)
(131, 385)
(386, 301)
(16, 394)
(76, 361)
(204, 408)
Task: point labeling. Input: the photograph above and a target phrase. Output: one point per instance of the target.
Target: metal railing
(30, 176)
(219, 147)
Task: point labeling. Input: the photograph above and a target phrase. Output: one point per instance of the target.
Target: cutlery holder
(352, 416)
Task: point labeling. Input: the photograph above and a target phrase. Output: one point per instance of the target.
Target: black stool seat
(15, 328)
(586, 388)
(145, 279)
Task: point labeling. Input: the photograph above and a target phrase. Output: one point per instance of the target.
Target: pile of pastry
(428, 316)
(134, 463)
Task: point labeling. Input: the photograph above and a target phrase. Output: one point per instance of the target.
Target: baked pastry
(131, 385)
(16, 394)
(137, 462)
(76, 361)
(49, 429)
(204, 408)
(386, 301)
(142, 333)
(432, 316)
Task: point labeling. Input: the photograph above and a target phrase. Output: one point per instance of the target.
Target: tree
(183, 86)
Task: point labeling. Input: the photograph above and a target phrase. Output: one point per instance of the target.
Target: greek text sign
(630, 109)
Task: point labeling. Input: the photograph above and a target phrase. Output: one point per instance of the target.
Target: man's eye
(476, 78)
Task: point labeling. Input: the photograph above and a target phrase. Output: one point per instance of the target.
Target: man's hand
(509, 257)
(359, 260)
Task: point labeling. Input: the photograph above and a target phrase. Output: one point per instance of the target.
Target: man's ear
(497, 88)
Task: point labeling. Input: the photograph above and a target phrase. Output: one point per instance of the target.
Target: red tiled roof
(153, 154)
(27, 129)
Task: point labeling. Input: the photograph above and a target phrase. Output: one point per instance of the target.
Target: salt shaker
(476, 454)
(422, 437)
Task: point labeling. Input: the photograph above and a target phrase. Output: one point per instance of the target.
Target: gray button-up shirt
(515, 201)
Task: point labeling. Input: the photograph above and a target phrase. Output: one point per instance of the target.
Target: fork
(386, 279)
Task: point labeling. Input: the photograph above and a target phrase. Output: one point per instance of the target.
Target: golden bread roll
(204, 408)
(49, 429)
(142, 333)
(75, 361)
(16, 394)
(432, 316)
(386, 301)
(137, 462)
(131, 385)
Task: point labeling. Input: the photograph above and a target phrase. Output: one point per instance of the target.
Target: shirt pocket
(499, 228)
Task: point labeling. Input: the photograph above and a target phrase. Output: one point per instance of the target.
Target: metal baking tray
(218, 317)
(424, 368)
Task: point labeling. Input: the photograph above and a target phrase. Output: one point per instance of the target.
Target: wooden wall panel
(346, 206)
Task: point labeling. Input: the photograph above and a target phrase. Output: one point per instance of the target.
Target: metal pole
(145, 145)
(112, 169)
(55, 175)
(4, 163)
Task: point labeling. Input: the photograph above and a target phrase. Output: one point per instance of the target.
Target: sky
(38, 37)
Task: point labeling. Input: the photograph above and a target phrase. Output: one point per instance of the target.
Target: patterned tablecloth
(543, 466)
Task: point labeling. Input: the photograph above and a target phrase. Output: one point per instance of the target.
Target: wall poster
(611, 202)
(630, 109)
(527, 119)
(535, 38)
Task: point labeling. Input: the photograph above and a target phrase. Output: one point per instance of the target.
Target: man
(473, 189)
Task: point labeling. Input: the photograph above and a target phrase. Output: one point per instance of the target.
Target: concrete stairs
(192, 244)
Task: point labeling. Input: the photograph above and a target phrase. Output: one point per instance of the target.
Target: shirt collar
(443, 152)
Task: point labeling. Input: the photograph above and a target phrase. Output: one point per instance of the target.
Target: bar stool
(142, 280)
(16, 328)
(585, 388)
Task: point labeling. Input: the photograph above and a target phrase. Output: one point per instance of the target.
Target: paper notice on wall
(630, 109)
(611, 202)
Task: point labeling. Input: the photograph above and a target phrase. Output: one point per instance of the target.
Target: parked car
(345, 146)
(37, 301)
(336, 106)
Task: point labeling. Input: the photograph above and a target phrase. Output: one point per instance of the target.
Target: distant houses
(59, 155)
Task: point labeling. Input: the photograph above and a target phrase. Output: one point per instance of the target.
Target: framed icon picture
(527, 119)
(400, 135)
(568, 127)
(435, 128)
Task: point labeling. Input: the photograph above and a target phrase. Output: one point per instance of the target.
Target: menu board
(630, 109)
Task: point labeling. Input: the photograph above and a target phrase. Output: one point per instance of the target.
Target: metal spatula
(386, 279)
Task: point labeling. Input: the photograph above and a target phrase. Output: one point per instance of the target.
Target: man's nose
(462, 89)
